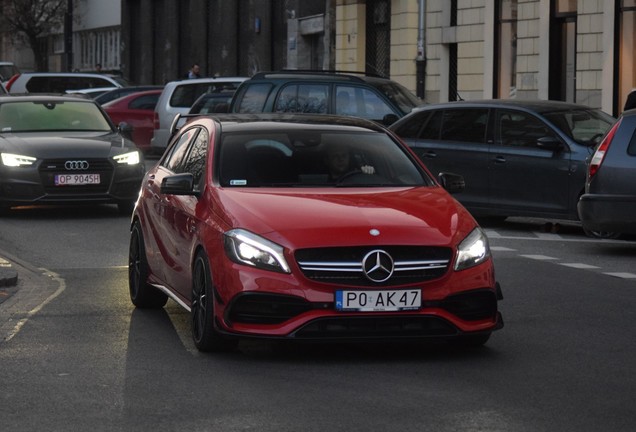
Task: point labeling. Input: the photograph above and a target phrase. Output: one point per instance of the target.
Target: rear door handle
(429, 154)
(500, 159)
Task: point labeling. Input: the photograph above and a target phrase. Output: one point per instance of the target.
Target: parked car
(243, 225)
(123, 91)
(178, 97)
(60, 82)
(64, 149)
(608, 206)
(7, 70)
(138, 111)
(341, 93)
(518, 158)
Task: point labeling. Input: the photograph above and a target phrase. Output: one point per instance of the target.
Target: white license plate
(382, 301)
(76, 179)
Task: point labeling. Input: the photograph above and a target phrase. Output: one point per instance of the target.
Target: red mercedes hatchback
(308, 227)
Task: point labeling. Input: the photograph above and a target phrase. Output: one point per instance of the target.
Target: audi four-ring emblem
(76, 165)
(378, 265)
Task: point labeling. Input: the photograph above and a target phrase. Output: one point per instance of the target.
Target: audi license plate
(381, 301)
(76, 179)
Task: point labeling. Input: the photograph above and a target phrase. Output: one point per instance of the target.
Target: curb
(8, 279)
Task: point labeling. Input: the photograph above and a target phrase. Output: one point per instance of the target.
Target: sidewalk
(8, 279)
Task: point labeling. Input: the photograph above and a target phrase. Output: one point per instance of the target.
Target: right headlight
(250, 249)
(473, 250)
(14, 160)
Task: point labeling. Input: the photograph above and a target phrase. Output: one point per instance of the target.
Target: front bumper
(264, 315)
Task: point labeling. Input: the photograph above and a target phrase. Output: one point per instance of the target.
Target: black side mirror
(453, 183)
(178, 184)
(549, 143)
(126, 130)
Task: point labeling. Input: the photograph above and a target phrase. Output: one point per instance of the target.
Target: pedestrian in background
(194, 71)
(98, 68)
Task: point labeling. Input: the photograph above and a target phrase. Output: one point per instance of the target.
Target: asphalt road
(76, 355)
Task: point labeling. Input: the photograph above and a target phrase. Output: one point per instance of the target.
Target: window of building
(562, 84)
(506, 43)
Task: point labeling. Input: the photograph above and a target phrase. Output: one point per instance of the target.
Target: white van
(54, 82)
(178, 97)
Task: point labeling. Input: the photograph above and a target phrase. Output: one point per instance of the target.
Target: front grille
(344, 266)
(376, 328)
(50, 167)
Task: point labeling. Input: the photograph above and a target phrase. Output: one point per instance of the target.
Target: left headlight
(131, 158)
(473, 250)
(250, 249)
(14, 160)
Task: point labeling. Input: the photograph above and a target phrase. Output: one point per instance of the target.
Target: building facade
(573, 50)
(443, 50)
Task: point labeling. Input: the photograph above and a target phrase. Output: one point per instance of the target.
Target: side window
(253, 98)
(305, 98)
(175, 156)
(146, 102)
(184, 96)
(465, 124)
(411, 128)
(360, 102)
(520, 129)
(195, 161)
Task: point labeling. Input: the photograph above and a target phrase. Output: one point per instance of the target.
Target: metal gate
(378, 44)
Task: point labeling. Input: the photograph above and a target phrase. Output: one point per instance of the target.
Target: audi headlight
(473, 250)
(14, 160)
(131, 158)
(247, 248)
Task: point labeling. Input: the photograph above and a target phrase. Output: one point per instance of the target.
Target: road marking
(622, 275)
(502, 249)
(540, 257)
(579, 265)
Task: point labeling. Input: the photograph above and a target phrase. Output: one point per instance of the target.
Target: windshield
(49, 115)
(316, 158)
(585, 126)
(399, 94)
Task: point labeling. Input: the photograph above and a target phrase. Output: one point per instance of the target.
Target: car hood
(74, 144)
(329, 217)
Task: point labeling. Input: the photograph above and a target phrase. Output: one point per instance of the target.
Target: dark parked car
(608, 207)
(341, 93)
(518, 158)
(308, 227)
(64, 149)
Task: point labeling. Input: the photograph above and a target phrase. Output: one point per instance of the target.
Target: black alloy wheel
(142, 294)
(204, 334)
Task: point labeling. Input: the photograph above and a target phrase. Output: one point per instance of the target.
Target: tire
(142, 294)
(204, 334)
(607, 235)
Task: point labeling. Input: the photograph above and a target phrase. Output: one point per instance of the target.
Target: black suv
(324, 92)
(608, 207)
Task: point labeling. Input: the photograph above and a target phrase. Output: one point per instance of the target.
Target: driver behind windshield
(340, 163)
